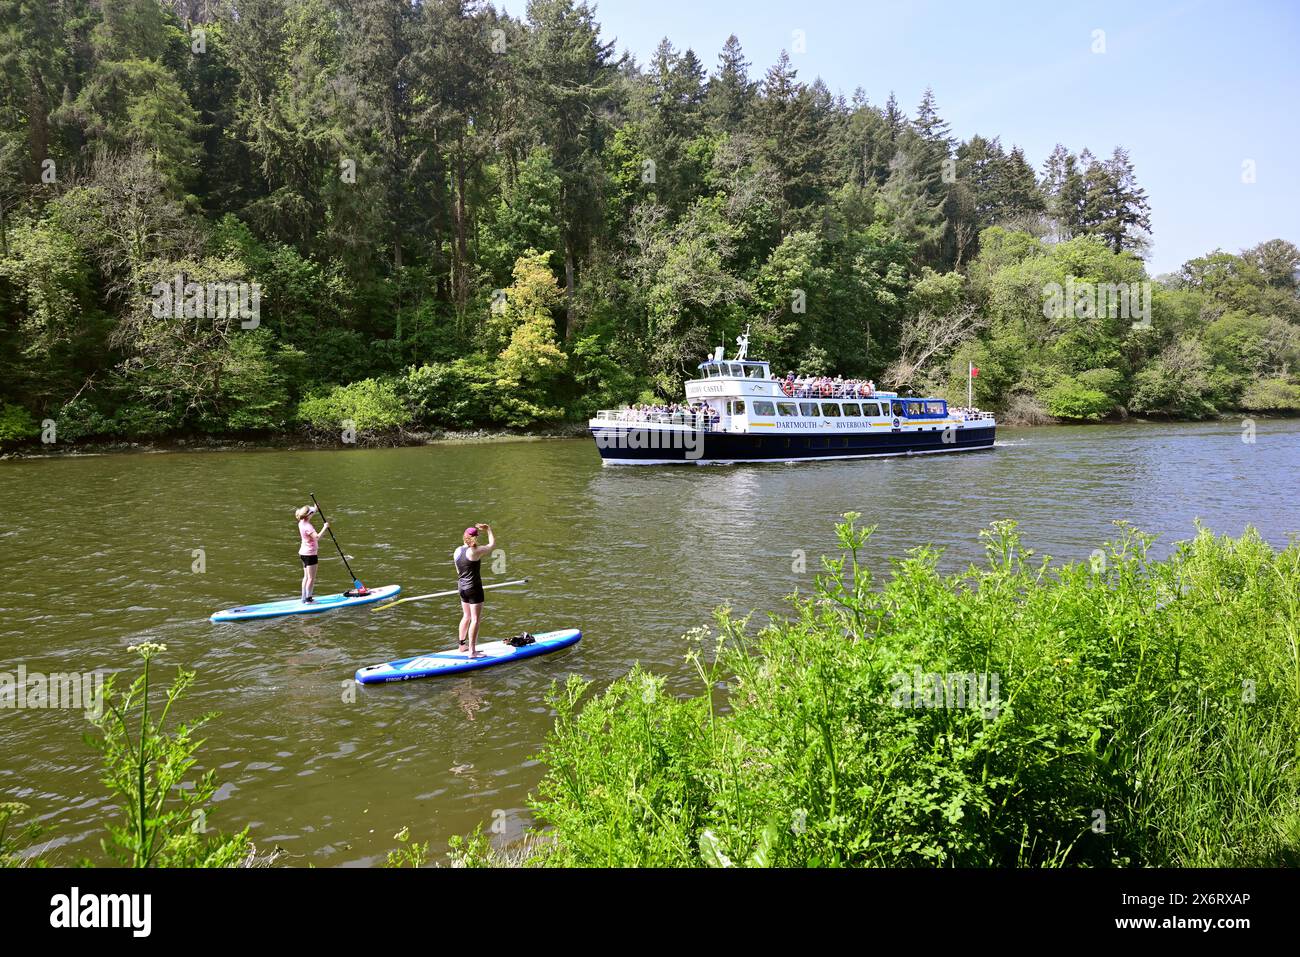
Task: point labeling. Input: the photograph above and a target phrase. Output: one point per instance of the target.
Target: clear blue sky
(1192, 89)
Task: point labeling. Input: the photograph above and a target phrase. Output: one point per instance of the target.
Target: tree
(1278, 261)
(730, 95)
(571, 77)
(33, 65)
(792, 136)
(1125, 216)
(132, 97)
(532, 360)
(929, 336)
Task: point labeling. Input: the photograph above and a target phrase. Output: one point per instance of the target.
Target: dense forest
(439, 216)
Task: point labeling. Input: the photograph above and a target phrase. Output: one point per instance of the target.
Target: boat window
(738, 407)
(807, 408)
(831, 410)
(733, 369)
(852, 409)
(898, 408)
(916, 408)
(711, 371)
(787, 408)
(871, 408)
(764, 408)
(934, 408)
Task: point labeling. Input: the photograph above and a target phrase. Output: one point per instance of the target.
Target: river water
(98, 552)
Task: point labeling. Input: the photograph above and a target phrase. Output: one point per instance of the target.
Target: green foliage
(1070, 398)
(1107, 381)
(255, 391)
(10, 853)
(523, 217)
(531, 362)
(16, 423)
(1271, 395)
(1210, 340)
(410, 853)
(81, 418)
(600, 375)
(1120, 712)
(370, 405)
(150, 768)
(474, 850)
(135, 420)
(1177, 383)
(460, 394)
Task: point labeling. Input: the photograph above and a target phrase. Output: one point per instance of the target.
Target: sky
(1204, 95)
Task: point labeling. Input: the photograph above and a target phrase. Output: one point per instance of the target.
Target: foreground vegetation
(148, 764)
(459, 218)
(1145, 713)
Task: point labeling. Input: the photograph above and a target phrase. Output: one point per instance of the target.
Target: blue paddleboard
(295, 606)
(452, 661)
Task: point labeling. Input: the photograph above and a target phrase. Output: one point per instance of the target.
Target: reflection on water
(96, 554)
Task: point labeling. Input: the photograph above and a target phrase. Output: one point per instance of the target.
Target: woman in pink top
(308, 539)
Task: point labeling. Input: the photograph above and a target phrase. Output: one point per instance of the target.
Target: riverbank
(401, 438)
(290, 442)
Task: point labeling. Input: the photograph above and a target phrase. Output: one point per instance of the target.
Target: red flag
(974, 371)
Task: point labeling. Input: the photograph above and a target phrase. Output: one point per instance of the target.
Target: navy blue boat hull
(633, 445)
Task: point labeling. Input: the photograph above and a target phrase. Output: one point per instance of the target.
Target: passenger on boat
(826, 387)
(697, 414)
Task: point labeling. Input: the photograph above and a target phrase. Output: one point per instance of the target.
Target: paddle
(355, 581)
(444, 594)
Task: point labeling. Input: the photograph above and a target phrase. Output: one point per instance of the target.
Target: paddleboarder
(469, 582)
(308, 547)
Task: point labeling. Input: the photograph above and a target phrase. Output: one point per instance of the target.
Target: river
(99, 552)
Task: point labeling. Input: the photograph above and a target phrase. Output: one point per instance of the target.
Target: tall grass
(1146, 713)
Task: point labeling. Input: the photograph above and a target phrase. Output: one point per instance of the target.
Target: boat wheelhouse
(738, 411)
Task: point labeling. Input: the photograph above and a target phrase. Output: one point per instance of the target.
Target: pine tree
(895, 121)
(1126, 215)
(1020, 195)
(730, 91)
(570, 76)
(793, 136)
(930, 125)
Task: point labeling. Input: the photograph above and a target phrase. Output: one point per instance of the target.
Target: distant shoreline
(297, 442)
(289, 442)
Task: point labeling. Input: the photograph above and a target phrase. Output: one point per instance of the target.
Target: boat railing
(836, 392)
(684, 419)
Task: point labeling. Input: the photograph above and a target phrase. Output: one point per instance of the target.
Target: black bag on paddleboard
(520, 640)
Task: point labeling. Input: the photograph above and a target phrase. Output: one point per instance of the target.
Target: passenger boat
(739, 412)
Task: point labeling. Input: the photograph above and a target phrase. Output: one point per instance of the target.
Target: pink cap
(471, 530)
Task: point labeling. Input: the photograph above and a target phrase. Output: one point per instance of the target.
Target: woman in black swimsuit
(467, 558)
